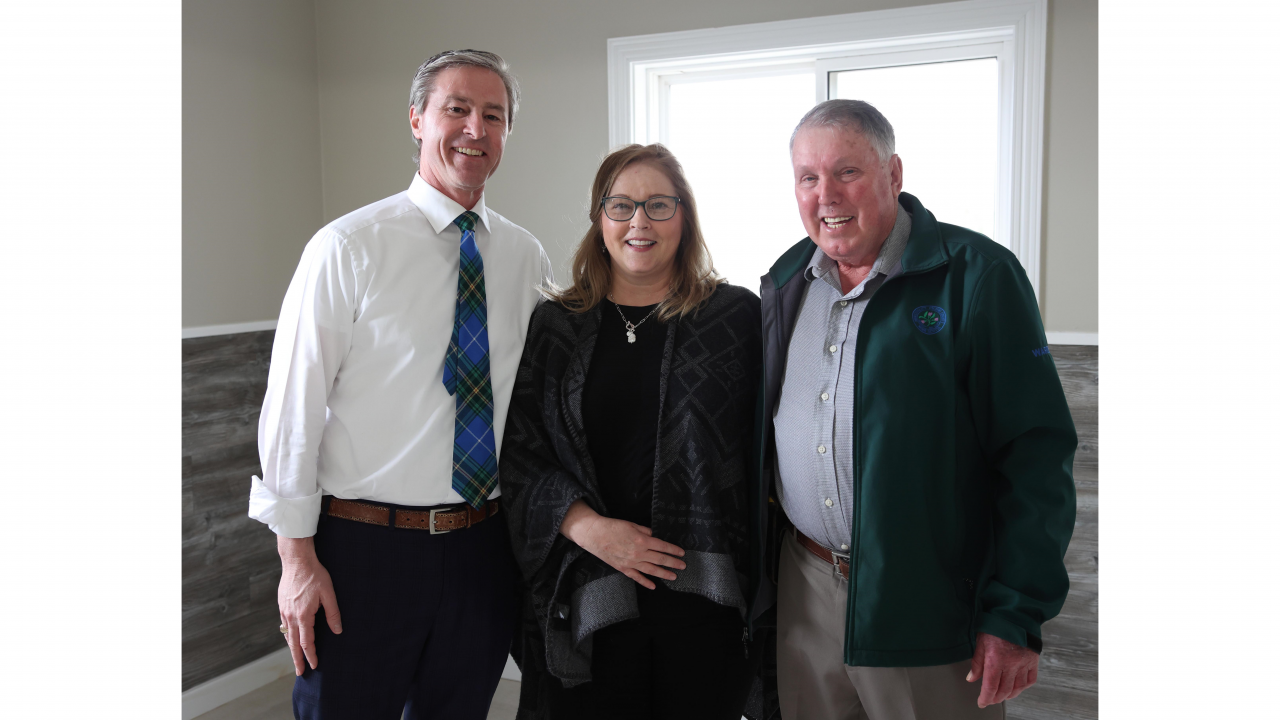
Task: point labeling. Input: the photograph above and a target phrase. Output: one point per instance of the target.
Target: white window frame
(642, 68)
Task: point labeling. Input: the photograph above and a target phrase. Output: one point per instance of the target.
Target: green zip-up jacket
(963, 446)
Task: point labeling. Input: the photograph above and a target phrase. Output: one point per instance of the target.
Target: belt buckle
(431, 526)
(835, 563)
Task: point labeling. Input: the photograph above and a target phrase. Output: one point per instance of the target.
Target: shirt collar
(890, 252)
(440, 209)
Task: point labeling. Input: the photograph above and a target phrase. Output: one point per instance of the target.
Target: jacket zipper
(855, 541)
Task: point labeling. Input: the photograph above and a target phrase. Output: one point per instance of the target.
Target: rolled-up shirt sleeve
(313, 336)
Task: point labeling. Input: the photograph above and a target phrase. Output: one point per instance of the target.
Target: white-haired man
(391, 373)
(916, 446)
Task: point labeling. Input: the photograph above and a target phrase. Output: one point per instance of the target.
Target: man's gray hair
(425, 80)
(856, 114)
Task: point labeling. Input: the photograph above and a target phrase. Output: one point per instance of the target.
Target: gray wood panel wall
(1068, 684)
(230, 569)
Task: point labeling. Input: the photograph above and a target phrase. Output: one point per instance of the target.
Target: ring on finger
(284, 628)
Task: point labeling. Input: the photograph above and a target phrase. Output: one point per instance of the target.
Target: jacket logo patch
(1040, 352)
(929, 319)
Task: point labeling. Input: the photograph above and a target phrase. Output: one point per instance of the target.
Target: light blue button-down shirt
(813, 423)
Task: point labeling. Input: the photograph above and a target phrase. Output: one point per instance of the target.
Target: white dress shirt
(355, 404)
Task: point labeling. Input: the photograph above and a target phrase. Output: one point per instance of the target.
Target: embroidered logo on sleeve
(929, 319)
(1040, 352)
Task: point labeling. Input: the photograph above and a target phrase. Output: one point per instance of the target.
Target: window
(945, 121)
(961, 82)
(730, 134)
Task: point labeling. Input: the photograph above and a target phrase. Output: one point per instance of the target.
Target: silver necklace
(631, 328)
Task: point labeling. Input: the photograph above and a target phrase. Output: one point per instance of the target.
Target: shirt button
(822, 448)
(824, 396)
(829, 503)
(843, 303)
(844, 547)
(832, 349)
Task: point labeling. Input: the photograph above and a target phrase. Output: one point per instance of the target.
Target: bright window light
(731, 137)
(964, 89)
(944, 118)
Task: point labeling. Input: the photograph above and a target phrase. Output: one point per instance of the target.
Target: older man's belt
(838, 562)
(436, 520)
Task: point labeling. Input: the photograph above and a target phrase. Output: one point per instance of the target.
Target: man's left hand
(1005, 669)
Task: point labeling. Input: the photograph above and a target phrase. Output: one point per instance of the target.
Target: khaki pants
(815, 684)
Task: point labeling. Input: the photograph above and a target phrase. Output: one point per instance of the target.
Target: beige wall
(1069, 250)
(250, 155)
(367, 52)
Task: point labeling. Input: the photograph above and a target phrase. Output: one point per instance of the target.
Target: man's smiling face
(463, 131)
(847, 195)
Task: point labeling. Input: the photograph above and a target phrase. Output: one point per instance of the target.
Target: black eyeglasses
(622, 209)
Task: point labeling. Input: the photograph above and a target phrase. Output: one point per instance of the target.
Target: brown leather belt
(438, 520)
(839, 563)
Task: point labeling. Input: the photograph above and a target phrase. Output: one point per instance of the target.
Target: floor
(272, 702)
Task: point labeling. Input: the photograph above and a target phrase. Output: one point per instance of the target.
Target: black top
(620, 410)
(620, 406)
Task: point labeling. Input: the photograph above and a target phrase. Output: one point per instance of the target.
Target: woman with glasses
(624, 465)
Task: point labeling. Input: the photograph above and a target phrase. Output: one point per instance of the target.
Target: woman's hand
(627, 547)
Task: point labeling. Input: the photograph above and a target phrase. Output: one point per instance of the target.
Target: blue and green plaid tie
(466, 376)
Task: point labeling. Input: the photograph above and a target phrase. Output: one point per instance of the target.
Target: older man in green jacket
(915, 496)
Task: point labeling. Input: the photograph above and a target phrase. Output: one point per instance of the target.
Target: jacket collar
(924, 249)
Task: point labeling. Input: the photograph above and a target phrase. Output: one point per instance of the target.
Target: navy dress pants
(427, 622)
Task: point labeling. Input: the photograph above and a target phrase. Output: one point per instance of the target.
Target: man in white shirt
(391, 373)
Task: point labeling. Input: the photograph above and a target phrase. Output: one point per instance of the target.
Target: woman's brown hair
(694, 277)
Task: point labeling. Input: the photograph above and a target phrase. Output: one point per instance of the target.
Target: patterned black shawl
(709, 379)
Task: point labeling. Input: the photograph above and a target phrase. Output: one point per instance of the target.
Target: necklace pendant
(631, 336)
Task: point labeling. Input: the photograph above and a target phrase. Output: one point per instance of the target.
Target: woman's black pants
(691, 665)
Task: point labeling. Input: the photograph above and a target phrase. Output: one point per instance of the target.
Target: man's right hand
(305, 587)
(627, 547)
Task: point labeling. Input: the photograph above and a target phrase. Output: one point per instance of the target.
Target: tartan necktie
(466, 376)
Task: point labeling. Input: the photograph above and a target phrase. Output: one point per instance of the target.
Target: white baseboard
(207, 330)
(237, 683)
(247, 678)
(1072, 338)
